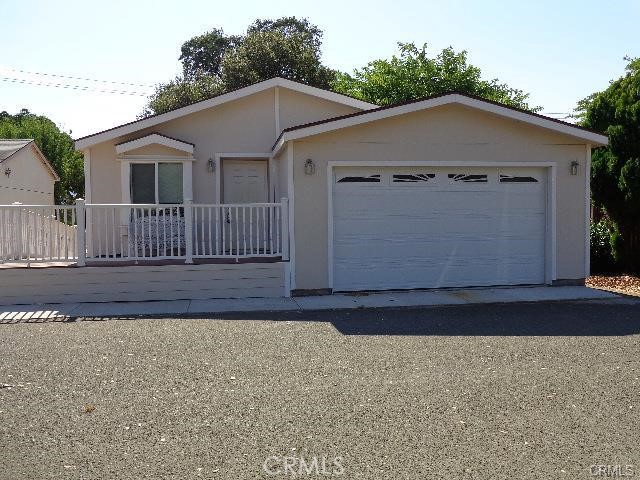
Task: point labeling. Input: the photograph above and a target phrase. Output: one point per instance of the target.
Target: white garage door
(430, 227)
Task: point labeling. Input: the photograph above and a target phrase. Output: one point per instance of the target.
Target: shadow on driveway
(589, 318)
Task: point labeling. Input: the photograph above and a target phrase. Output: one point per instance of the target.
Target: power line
(83, 88)
(84, 79)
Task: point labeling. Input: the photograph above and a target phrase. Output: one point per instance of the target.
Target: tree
(182, 91)
(414, 75)
(203, 54)
(287, 47)
(615, 169)
(214, 62)
(55, 144)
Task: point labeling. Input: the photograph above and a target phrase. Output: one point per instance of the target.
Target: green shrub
(605, 246)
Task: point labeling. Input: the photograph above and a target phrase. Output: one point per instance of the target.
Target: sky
(558, 51)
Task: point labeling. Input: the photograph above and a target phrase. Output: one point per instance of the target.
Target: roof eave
(90, 140)
(594, 138)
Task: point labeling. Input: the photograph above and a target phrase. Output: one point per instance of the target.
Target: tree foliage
(615, 180)
(414, 74)
(214, 62)
(615, 169)
(55, 144)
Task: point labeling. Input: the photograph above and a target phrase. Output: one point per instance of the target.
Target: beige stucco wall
(298, 108)
(246, 125)
(30, 181)
(449, 133)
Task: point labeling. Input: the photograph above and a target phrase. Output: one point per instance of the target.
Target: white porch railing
(38, 233)
(135, 232)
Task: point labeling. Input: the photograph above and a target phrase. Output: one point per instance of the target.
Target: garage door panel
(462, 202)
(402, 276)
(437, 233)
(433, 248)
(453, 225)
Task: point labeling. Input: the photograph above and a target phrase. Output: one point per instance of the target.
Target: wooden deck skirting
(141, 263)
(42, 285)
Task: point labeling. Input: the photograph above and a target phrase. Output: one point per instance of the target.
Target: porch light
(309, 167)
(211, 166)
(7, 172)
(574, 167)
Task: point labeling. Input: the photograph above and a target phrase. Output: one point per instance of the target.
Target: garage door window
(516, 179)
(360, 179)
(465, 178)
(414, 178)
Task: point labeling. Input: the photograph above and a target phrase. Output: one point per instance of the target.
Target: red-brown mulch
(625, 284)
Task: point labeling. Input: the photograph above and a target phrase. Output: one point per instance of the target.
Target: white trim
(550, 240)
(455, 98)
(85, 142)
(292, 218)
(154, 139)
(330, 227)
(551, 273)
(387, 163)
(154, 158)
(276, 107)
(87, 175)
(218, 168)
(587, 213)
(87, 198)
(125, 176)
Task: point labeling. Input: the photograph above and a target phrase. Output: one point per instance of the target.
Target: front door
(244, 181)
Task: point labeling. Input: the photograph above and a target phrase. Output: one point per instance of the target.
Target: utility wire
(84, 79)
(83, 88)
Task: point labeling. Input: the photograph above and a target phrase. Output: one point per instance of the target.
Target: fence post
(188, 230)
(284, 218)
(19, 247)
(81, 233)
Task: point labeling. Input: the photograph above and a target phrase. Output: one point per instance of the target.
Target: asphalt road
(479, 392)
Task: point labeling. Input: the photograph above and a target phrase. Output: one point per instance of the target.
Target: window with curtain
(156, 183)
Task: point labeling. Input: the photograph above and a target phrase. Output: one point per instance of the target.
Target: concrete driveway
(527, 391)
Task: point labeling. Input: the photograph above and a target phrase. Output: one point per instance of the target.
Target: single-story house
(447, 191)
(26, 176)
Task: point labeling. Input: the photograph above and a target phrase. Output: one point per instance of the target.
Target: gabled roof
(157, 139)
(131, 127)
(9, 147)
(352, 119)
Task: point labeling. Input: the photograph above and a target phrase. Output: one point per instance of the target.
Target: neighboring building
(447, 191)
(26, 176)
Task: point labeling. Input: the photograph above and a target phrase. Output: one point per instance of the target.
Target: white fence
(136, 232)
(36, 233)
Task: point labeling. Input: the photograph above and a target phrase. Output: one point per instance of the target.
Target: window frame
(125, 174)
(156, 173)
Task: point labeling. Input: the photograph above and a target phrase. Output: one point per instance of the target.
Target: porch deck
(105, 253)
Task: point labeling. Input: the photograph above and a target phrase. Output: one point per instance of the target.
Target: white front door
(244, 181)
(429, 227)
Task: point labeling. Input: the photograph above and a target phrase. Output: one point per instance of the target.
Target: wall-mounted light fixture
(309, 167)
(211, 165)
(7, 171)
(574, 167)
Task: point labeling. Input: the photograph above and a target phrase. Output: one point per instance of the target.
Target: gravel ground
(523, 391)
(625, 284)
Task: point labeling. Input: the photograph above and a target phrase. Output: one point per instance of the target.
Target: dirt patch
(625, 284)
